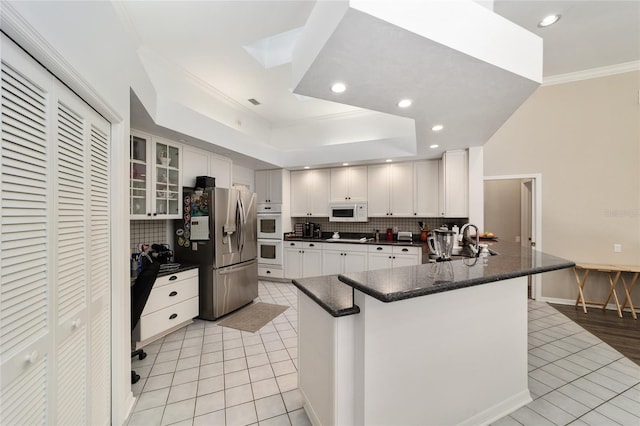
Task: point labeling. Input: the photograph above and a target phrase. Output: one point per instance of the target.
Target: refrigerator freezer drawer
(228, 289)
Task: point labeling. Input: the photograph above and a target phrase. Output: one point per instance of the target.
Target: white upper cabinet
(454, 185)
(198, 162)
(310, 193)
(390, 190)
(426, 187)
(269, 186)
(349, 184)
(155, 188)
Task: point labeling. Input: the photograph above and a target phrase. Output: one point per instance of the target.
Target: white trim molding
(591, 73)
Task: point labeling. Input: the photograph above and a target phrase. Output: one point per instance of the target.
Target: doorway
(512, 211)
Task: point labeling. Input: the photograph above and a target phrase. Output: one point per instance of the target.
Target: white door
(401, 189)
(355, 261)
(55, 300)
(378, 190)
(332, 262)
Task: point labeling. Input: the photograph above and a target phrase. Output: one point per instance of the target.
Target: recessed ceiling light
(434, 146)
(389, 160)
(306, 167)
(338, 88)
(549, 20)
(437, 127)
(405, 103)
(345, 164)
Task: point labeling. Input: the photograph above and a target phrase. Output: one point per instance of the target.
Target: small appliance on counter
(405, 236)
(308, 229)
(317, 231)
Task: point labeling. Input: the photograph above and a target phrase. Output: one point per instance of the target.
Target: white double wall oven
(270, 250)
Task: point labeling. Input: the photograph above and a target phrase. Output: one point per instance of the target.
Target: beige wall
(502, 208)
(584, 139)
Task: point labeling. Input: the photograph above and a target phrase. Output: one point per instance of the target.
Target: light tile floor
(205, 374)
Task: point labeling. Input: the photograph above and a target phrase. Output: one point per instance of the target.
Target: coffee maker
(307, 230)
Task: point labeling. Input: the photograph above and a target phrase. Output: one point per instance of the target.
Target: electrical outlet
(617, 248)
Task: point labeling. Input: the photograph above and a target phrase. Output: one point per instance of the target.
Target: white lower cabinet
(343, 258)
(384, 256)
(173, 302)
(305, 259)
(302, 259)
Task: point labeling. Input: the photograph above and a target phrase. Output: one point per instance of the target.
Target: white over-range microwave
(348, 212)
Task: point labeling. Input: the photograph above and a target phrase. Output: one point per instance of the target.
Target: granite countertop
(332, 295)
(183, 267)
(344, 237)
(511, 261)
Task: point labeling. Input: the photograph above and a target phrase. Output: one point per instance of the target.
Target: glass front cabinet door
(155, 189)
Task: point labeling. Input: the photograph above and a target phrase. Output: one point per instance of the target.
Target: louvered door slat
(23, 286)
(71, 217)
(71, 379)
(24, 400)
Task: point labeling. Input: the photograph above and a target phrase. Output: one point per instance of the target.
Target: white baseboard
(500, 410)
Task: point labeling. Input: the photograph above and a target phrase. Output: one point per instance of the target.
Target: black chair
(139, 295)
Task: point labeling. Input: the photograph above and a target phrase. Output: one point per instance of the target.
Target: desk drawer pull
(173, 293)
(173, 316)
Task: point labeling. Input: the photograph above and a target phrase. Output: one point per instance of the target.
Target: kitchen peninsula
(433, 344)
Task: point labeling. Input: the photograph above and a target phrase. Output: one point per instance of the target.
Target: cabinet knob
(76, 323)
(292, 244)
(311, 245)
(405, 249)
(173, 278)
(32, 357)
(173, 293)
(148, 214)
(379, 248)
(268, 272)
(173, 316)
(155, 214)
(389, 257)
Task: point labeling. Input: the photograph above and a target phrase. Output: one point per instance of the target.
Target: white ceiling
(205, 39)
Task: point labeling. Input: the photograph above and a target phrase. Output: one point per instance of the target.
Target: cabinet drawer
(293, 244)
(406, 250)
(171, 294)
(167, 279)
(313, 245)
(264, 271)
(380, 249)
(161, 320)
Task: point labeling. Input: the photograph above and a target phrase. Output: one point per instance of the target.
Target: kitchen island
(434, 344)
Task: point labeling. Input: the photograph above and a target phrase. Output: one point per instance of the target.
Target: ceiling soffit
(462, 65)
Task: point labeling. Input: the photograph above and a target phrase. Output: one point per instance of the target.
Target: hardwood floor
(623, 334)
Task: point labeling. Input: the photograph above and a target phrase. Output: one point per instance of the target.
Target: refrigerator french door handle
(239, 223)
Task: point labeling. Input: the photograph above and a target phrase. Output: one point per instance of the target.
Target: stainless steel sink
(348, 240)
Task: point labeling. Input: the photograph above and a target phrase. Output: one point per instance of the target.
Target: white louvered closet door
(55, 296)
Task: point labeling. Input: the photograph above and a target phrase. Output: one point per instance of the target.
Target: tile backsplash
(148, 231)
(381, 223)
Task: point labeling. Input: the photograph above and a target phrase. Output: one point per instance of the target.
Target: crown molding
(592, 73)
(25, 36)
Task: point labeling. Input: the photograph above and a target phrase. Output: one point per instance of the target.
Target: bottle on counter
(377, 235)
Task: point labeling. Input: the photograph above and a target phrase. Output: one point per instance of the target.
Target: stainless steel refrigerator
(218, 231)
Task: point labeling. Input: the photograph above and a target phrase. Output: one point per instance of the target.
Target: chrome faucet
(466, 240)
